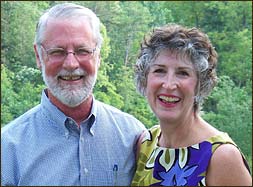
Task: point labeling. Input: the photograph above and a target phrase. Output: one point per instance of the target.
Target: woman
(175, 71)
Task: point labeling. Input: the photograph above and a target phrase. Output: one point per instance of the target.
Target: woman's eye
(159, 71)
(184, 73)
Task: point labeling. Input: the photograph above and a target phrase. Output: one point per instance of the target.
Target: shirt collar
(58, 118)
(92, 117)
(53, 114)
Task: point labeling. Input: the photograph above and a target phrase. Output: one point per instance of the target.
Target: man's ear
(99, 61)
(38, 62)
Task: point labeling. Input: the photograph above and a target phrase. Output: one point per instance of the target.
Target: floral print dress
(159, 166)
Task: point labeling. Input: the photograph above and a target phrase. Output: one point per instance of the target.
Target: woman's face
(171, 84)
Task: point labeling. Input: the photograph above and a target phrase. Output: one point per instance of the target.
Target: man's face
(70, 80)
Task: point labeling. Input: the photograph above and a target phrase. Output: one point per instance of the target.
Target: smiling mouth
(166, 99)
(70, 78)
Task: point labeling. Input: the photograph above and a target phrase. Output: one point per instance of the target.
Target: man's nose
(70, 61)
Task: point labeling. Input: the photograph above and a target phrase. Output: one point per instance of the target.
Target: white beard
(70, 95)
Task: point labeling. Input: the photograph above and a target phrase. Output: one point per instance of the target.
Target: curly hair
(184, 42)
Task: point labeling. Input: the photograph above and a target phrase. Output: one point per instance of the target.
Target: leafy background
(228, 24)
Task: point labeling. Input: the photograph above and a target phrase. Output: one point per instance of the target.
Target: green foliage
(27, 75)
(18, 22)
(14, 103)
(232, 112)
(236, 54)
(7, 95)
(27, 97)
(106, 48)
(106, 91)
(227, 23)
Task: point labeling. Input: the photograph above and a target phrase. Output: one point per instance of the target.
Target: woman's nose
(170, 82)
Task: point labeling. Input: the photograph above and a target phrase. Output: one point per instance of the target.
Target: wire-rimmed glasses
(60, 54)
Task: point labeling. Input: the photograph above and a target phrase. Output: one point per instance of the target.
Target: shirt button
(66, 134)
(85, 170)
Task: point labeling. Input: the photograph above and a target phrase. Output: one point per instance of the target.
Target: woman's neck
(179, 134)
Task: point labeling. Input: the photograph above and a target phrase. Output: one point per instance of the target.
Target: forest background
(228, 24)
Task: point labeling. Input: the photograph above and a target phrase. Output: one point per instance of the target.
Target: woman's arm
(227, 168)
(139, 143)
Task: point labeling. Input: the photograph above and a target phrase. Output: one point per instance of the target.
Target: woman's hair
(68, 11)
(188, 43)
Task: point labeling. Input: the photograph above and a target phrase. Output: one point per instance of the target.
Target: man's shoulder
(19, 123)
(117, 114)
(111, 109)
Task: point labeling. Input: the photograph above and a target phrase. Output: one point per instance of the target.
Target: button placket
(85, 156)
(86, 171)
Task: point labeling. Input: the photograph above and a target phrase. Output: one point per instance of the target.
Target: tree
(232, 112)
(18, 22)
(7, 95)
(227, 23)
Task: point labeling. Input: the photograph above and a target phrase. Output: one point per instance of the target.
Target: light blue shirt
(45, 147)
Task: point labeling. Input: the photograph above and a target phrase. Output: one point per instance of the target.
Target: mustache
(76, 72)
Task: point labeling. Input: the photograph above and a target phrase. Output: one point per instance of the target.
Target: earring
(197, 99)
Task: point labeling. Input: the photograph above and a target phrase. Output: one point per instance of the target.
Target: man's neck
(78, 113)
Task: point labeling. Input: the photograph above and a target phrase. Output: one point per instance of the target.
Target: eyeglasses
(60, 54)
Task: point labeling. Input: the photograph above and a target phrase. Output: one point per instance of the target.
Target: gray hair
(188, 43)
(68, 11)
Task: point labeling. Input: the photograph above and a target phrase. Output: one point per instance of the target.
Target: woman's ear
(38, 62)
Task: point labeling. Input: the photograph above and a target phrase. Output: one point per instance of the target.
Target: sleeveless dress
(160, 166)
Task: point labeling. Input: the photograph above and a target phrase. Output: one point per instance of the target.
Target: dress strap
(222, 139)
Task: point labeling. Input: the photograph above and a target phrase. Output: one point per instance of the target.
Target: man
(70, 138)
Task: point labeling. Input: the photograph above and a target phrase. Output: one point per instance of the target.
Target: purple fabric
(197, 162)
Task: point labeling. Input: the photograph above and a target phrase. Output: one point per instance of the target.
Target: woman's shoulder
(148, 139)
(211, 134)
(155, 130)
(151, 134)
(227, 167)
(222, 138)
